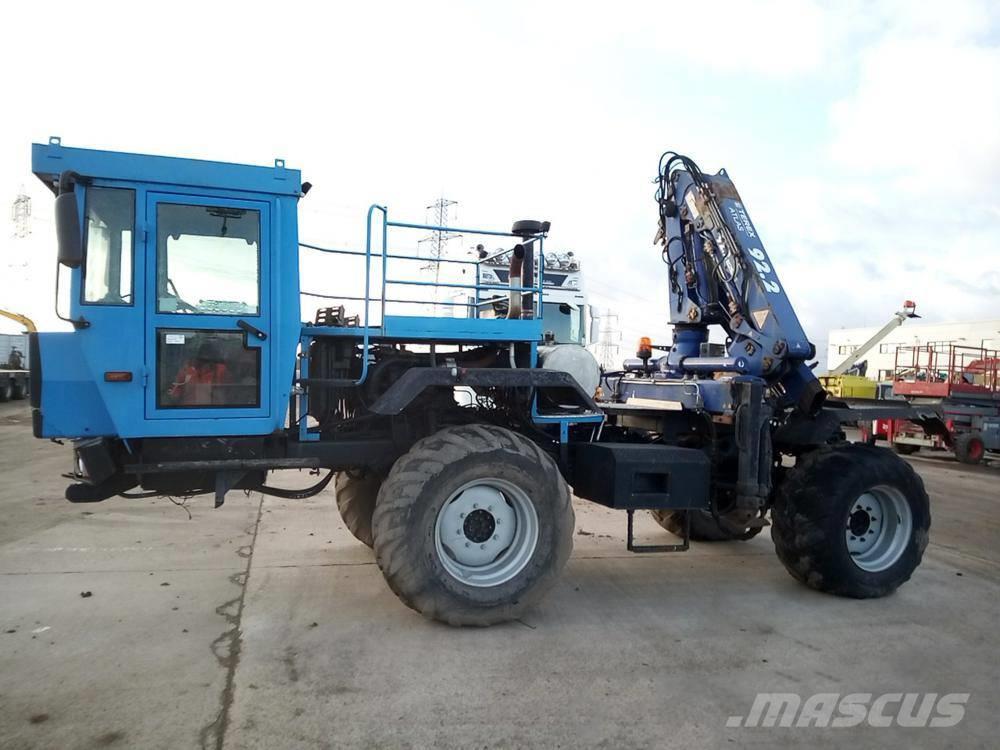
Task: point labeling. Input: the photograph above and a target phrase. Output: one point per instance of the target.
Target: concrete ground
(265, 625)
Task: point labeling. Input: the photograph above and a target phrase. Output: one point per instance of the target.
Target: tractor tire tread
(805, 520)
(356, 503)
(394, 531)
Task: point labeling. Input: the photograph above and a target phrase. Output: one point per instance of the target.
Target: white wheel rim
(486, 532)
(878, 528)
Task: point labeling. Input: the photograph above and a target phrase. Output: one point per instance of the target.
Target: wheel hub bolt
(479, 526)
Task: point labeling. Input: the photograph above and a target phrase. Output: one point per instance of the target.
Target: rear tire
(433, 543)
(17, 391)
(6, 390)
(704, 527)
(969, 448)
(851, 520)
(356, 503)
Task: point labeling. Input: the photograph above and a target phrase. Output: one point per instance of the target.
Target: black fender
(416, 380)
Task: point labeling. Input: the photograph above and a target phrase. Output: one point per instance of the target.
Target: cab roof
(49, 160)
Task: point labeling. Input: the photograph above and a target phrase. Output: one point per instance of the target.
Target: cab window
(564, 321)
(205, 368)
(107, 270)
(207, 260)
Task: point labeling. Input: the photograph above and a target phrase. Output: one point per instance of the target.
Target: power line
(20, 214)
(438, 239)
(608, 339)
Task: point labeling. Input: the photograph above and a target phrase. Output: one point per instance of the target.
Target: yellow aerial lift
(838, 383)
(24, 320)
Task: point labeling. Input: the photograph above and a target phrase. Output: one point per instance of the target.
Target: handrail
(394, 256)
(385, 254)
(446, 285)
(366, 343)
(368, 253)
(435, 228)
(388, 300)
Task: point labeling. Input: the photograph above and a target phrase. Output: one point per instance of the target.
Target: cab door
(208, 313)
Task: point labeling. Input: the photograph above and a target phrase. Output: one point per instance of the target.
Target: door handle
(256, 332)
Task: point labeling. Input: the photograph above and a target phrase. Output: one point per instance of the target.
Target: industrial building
(881, 359)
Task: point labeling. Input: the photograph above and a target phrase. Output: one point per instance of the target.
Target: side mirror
(68, 235)
(595, 325)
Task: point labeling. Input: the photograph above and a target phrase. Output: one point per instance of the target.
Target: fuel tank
(575, 360)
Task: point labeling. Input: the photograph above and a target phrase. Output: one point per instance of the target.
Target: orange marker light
(645, 346)
(117, 376)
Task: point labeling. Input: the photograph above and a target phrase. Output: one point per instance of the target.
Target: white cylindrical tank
(575, 360)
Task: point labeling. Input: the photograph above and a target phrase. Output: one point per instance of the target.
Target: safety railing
(382, 298)
(951, 366)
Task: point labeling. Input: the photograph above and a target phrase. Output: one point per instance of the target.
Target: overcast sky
(864, 137)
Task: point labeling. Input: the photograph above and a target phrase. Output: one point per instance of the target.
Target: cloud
(772, 38)
(904, 203)
(926, 109)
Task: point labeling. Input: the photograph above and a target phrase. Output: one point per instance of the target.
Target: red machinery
(963, 372)
(963, 380)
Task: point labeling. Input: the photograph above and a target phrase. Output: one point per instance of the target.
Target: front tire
(473, 525)
(851, 520)
(969, 448)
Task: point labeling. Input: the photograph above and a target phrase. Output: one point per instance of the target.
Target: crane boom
(24, 320)
(898, 318)
(720, 274)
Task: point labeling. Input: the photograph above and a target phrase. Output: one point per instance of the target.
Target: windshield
(208, 260)
(564, 321)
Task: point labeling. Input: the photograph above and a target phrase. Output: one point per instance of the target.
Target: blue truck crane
(190, 371)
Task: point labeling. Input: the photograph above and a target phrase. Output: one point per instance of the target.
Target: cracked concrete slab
(294, 640)
(132, 663)
(627, 651)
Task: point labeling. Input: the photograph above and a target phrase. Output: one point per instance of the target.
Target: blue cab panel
(49, 160)
(71, 400)
(186, 305)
